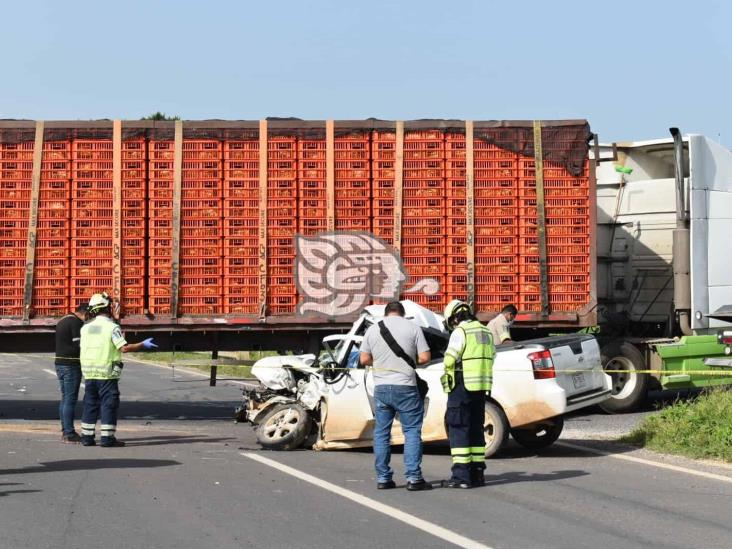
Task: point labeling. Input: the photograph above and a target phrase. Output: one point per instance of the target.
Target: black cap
(82, 308)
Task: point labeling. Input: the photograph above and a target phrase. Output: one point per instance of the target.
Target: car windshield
(329, 353)
(334, 355)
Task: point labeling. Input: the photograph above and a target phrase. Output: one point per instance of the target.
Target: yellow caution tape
(722, 372)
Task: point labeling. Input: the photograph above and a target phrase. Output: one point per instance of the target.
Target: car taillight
(725, 337)
(542, 364)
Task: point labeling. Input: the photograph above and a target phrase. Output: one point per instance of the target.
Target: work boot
(477, 477)
(457, 483)
(73, 438)
(111, 442)
(88, 440)
(418, 485)
(386, 485)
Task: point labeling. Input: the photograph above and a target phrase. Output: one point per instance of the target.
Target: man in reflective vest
(102, 344)
(467, 379)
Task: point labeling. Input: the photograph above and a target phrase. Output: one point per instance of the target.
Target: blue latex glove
(148, 344)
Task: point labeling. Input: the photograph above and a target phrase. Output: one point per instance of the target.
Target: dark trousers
(405, 401)
(101, 397)
(465, 416)
(69, 379)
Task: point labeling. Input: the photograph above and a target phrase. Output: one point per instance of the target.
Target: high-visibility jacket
(101, 341)
(472, 352)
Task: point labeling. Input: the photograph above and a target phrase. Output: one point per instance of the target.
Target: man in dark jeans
(396, 392)
(68, 370)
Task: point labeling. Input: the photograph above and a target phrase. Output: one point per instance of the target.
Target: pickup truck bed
(527, 396)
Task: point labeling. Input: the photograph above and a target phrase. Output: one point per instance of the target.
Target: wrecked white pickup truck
(327, 401)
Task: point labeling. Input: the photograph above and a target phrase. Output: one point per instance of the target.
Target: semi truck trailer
(209, 243)
(259, 233)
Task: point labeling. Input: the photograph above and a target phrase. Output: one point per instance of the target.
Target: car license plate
(578, 380)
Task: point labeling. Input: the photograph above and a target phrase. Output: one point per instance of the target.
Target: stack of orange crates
(352, 185)
(312, 202)
(51, 275)
(134, 216)
(567, 214)
(241, 220)
(352, 205)
(92, 221)
(91, 216)
(50, 283)
(496, 222)
(282, 204)
(200, 255)
(383, 173)
(423, 206)
(352, 157)
(423, 214)
(456, 280)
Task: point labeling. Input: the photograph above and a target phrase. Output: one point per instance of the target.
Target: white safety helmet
(99, 302)
(453, 308)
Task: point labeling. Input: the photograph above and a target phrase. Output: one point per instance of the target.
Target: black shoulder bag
(422, 385)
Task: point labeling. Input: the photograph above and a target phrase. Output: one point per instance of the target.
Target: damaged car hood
(271, 370)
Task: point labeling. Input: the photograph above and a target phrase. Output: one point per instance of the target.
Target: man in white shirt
(500, 326)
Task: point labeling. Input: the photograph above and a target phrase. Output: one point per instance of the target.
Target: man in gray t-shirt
(396, 392)
(389, 369)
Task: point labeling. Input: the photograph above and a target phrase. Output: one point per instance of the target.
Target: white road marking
(15, 356)
(397, 514)
(660, 465)
(50, 372)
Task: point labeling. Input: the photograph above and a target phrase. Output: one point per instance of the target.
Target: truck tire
(495, 427)
(284, 427)
(629, 390)
(540, 435)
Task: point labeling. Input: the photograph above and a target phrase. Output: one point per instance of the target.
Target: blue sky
(631, 68)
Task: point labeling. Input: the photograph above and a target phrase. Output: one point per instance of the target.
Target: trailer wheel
(495, 428)
(629, 388)
(284, 427)
(540, 435)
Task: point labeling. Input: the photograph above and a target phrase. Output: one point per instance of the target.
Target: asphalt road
(190, 478)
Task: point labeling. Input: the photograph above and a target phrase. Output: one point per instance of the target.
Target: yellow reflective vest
(101, 341)
(470, 350)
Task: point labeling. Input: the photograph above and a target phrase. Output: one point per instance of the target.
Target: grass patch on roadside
(201, 361)
(699, 428)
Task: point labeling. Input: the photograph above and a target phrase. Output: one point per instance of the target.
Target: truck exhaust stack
(681, 242)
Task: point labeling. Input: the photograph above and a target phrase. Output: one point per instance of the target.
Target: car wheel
(495, 428)
(284, 427)
(540, 435)
(629, 388)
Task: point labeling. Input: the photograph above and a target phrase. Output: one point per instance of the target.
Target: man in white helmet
(468, 377)
(102, 344)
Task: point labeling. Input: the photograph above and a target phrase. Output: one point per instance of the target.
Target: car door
(348, 411)
(435, 403)
(433, 427)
